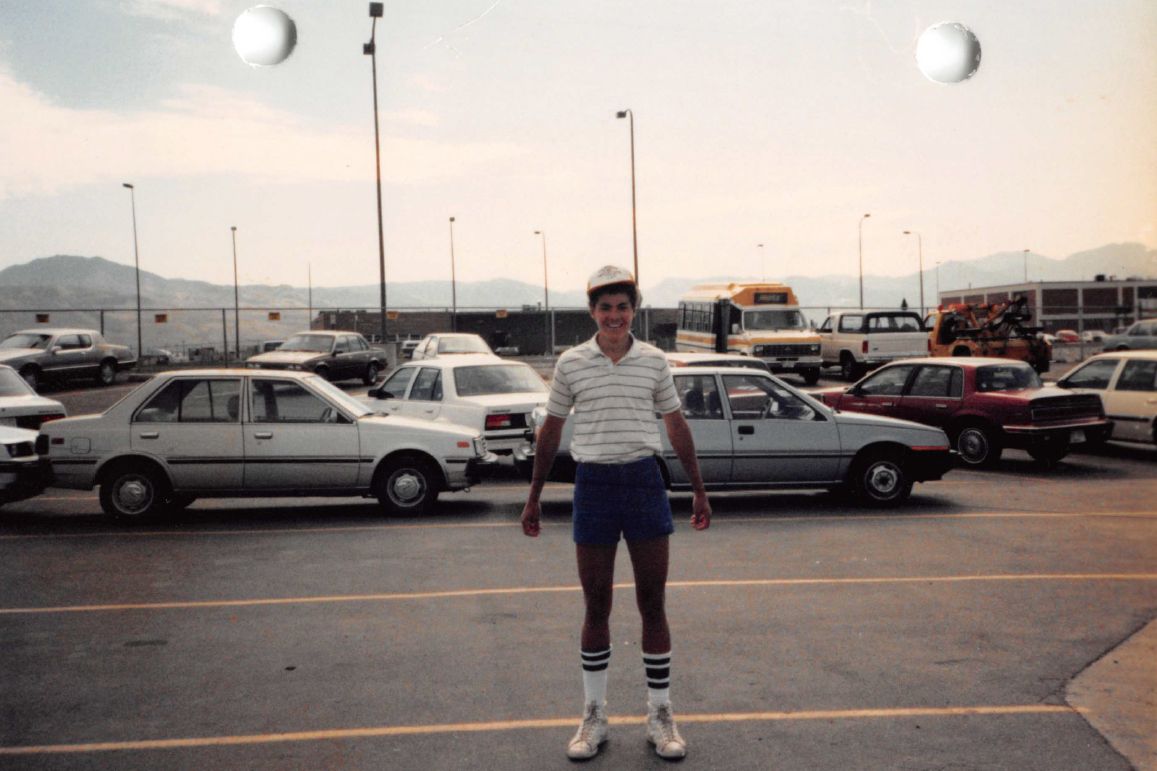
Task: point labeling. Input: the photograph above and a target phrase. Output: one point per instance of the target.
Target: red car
(983, 404)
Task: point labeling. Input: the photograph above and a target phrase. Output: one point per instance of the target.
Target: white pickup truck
(856, 341)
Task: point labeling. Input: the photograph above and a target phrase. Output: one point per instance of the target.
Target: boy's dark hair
(629, 289)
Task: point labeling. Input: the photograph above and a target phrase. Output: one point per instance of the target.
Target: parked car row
(438, 424)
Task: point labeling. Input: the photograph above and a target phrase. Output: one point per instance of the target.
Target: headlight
(814, 348)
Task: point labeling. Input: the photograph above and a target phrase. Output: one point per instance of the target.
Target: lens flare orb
(948, 52)
(264, 36)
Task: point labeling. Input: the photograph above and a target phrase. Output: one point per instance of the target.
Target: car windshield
(26, 340)
(773, 320)
(497, 379)
(310, 343)
(1006, 377)
(12, 384)
(351, 404)
(462, 345)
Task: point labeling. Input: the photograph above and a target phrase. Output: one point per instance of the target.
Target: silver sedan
(753, 431)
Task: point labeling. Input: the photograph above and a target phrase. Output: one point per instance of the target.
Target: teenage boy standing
(616, 383)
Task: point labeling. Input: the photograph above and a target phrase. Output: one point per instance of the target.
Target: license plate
(1077, 436)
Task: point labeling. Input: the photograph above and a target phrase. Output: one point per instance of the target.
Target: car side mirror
(380, 393)
(1063, 384)
(55, 349)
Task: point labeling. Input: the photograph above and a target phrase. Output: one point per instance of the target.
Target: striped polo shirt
(614, 404)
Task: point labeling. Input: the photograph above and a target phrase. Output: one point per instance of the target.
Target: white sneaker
(591, 733)
(662, 733)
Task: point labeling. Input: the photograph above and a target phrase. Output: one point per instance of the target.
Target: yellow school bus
(756, 319)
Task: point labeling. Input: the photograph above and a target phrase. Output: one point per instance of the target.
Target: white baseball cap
(607, 275)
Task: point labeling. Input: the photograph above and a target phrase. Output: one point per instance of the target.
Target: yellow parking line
(454, 594)
(517, 725)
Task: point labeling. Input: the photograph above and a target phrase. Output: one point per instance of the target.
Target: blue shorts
(627, 499)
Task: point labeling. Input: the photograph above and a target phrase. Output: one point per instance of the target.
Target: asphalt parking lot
(808, 633)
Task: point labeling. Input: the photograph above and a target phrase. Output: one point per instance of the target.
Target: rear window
(1006, 377)
(462, 345)
(894, 322)
(497, 379)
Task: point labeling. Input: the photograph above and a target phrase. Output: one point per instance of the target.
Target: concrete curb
(1118, 696)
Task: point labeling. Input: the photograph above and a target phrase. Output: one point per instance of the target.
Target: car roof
(56, 331)
(448, 360)
(330, 332)
(964, 361)
(236, 372)
(455, 334)
(1147, 353)
(703, 355)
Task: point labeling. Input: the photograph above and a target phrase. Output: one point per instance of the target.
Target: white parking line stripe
(552, 723)
(453, 594)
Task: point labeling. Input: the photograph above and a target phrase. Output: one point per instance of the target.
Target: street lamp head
(233, 228)
(538, 232)
(126, 184)
(451, 219)
(621, 113)
(866, 216)
(375, 10)
(907, 232)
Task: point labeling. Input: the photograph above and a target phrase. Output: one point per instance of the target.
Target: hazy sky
(756, 121)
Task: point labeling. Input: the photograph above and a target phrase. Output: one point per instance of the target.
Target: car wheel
(371, 376)
(407, 485)
(132, 491)
(106, 375)
(977, 445)
(31, 376)
(849, 369)
(810, 376)
(879, 479)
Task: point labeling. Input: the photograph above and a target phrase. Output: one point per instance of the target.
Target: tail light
(499, 421)
(34, 422)
(864, 347)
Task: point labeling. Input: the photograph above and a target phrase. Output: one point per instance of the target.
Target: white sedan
(23, 472)
(449, 343)
(232, 433)
(491, 395)
(1126, 381)
(21, 406)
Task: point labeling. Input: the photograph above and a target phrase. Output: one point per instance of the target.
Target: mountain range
(65, 283)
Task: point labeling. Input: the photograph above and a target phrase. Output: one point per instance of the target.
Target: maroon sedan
(983, 404)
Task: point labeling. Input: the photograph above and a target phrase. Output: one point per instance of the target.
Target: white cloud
(203, 130)
(168, 9)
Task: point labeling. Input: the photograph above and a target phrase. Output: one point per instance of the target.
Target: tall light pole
(309, 278)
(862, 259)
(634, 222)
(938, 283)
(1026, 266)
(137, 261)
(236, 303)
(546, 296)
(370, 50)
(920, 251)
(453, 283)
(762, 268)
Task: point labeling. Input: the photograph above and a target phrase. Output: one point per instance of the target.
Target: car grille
(783, 350)
(1067, 407)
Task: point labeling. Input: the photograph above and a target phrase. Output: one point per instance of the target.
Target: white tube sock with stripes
(595, 665)
(658, 666)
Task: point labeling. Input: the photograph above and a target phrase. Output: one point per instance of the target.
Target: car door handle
(746, 429)
(263, 435)
(150, 434)
(887, 404)
(429, 411)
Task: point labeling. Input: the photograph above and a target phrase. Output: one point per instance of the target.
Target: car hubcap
(972, 446)
(883, 479)
(133, 495)
(407, 487)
